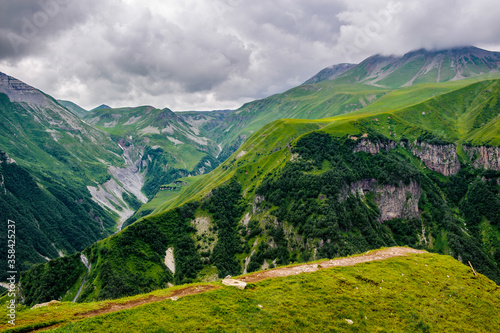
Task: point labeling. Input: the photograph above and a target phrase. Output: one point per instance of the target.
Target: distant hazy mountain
(101, 107)
(172, 146)
(74, 108)
(423, 66)
(330, 73)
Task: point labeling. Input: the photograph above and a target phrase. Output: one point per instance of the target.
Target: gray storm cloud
(197, 54)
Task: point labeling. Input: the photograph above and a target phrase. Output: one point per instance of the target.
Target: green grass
(164, 197)
(418, 293)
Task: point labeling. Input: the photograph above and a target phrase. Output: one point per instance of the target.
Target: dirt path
(255, 277)
(113, 307)
(307, 268)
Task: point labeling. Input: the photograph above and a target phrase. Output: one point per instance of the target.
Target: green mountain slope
(300, 190)
(418, 293)
(85, 180)
(74, 108)
(361, 87)
(168, 145)
(50, 220)
(49, 164)
(423, 66)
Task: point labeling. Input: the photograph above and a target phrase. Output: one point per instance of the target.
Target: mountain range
(391, 151)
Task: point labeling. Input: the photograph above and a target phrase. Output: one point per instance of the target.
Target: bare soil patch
(113, 307)
(307, 268)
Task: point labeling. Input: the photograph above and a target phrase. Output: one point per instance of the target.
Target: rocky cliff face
(19, 91)
(484, 157)
(393, 201)
(440, 158)
(372, 147)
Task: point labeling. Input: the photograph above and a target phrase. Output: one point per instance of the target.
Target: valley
(394, 151)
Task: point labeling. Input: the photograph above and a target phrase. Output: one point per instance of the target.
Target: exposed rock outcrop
(85, 261)
(393, 201)
(19, 91)
(484, 157)
(5, 158)
(170, 260)
(256, 203)
(440, 158)
(398, 202)
(45, 304)
(374, 147)
(234, 283)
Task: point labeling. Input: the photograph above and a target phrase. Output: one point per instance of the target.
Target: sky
(217, 54)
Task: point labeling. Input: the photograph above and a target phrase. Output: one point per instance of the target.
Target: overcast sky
(217, 54)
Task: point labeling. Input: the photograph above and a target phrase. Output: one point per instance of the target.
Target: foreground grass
(418, 293)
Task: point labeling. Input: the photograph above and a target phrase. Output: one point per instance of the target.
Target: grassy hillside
(51, 220)
(167, 193)
(462, 112)
(74, 108)
(300, 190)
(378, 83)
(418, 293)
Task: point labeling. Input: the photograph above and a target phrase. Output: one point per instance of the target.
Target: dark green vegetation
(54, 217)
(418, 293)
(128, 263)
(226, 207)
(312, 194)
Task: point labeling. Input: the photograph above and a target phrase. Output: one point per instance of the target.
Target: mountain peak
(330, 73)
(101, 107)
(422, 65)
(18, 91)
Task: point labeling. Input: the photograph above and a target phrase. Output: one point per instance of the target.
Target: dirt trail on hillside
(307, 268)
(113, 307)
(255, 277)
